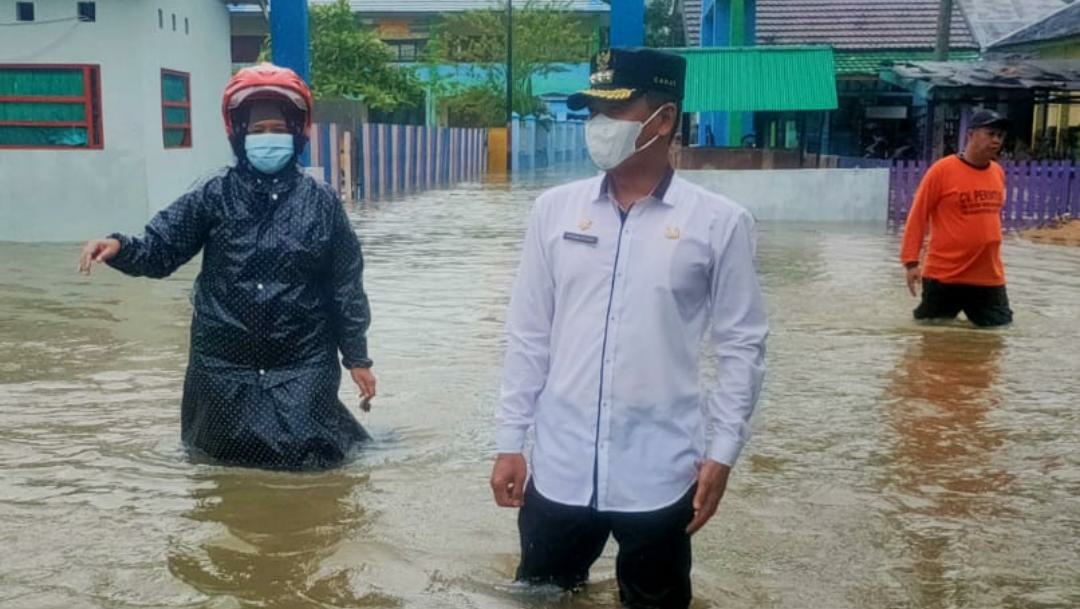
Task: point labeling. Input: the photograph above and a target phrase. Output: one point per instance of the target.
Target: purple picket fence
(903, 182)
(1035, 191)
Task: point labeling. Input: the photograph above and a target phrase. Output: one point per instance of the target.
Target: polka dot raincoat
(280, 294)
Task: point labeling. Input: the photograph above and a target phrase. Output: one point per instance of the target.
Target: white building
(109, 110)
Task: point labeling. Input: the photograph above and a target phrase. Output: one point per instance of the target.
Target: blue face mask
(269, 152)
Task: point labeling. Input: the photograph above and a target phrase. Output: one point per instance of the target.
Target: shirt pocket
(582, 260)
(675, 264)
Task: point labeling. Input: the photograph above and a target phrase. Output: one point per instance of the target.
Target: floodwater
(894, 465)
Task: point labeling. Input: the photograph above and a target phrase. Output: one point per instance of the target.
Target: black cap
(624, 74)
(988, 118)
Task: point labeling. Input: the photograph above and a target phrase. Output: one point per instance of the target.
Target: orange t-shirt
(961, 205)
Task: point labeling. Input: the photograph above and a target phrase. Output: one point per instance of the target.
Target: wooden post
(347, 166)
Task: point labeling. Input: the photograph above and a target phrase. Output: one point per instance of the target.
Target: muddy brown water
(894, 465)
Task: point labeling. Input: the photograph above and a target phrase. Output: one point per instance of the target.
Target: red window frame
(186, 104)
(90, 98)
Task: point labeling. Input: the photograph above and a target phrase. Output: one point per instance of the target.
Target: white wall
(71, 195)
(207, 56)
(807, 195)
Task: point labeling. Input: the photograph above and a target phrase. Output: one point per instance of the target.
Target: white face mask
(611, 141)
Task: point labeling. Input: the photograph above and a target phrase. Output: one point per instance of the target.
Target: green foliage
(664, 24)
(545, 34)
(477, 106)
(348, 61)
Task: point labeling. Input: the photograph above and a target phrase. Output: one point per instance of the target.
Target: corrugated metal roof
(692, 22)
(870, 63)
(434, 6)
(992, 20)
(750, 79)
(976, 24)
(857, 24)
(1051, 74)
(1064, 23)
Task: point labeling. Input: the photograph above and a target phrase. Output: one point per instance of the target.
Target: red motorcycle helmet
(266, 81)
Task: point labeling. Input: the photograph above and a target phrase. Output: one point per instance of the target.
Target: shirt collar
(662, 192)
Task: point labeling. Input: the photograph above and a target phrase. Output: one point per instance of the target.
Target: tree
(349, 61)
(664, 24)
(476, 106)
(545, 35)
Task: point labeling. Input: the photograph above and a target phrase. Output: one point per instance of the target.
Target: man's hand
(508, 479)
(914, 277)
(365, 381)
(97, 251)
(711, 484)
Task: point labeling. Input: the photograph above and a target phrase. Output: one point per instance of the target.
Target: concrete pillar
(289, 36)
(290, 42)
(627, 23)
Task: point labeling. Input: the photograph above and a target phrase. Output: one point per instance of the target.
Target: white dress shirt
(605, 329)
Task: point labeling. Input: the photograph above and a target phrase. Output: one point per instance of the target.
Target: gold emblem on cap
(672, 232)
(603, 61)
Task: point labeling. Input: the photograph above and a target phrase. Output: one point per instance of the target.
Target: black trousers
(559, 543)
(984, 306)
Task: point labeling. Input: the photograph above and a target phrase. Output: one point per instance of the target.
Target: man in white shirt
(622, 276)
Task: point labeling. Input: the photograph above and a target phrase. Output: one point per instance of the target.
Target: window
(160, 19)
(24, 11)
(176, 108)
(245, 49)
(187, 26)
(87, 11)
(405, 51)
(174, 22)
(50, 106)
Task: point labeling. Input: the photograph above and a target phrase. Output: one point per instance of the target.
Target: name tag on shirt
(580, 238)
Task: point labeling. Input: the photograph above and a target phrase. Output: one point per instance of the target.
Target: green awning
(759, 79)
(871, 63)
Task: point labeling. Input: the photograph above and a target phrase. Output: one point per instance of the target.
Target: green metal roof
(761, 78)
(850, 63)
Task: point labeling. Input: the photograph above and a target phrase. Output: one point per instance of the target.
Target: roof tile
(857, 24)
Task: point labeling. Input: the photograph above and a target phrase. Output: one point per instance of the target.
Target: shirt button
(273, 197)
(262, 372)
(260, 286)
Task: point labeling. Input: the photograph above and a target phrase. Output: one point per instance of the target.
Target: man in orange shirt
(959, 200)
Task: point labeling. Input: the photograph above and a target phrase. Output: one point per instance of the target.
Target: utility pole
(944, 28)
(509, 86)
